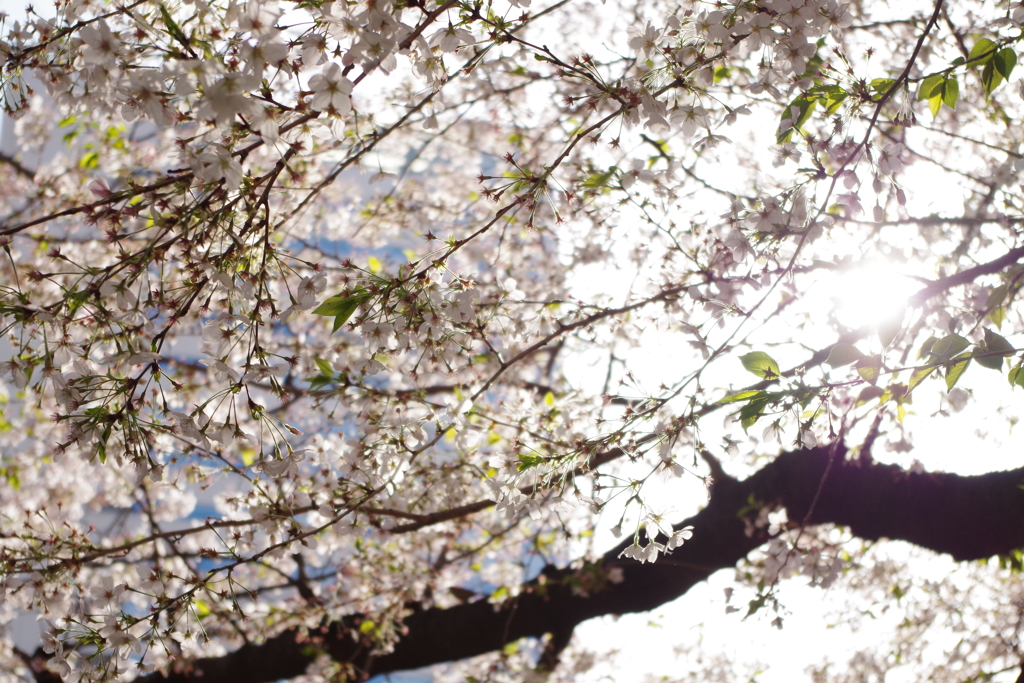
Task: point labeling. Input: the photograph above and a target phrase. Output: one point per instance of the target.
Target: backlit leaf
(869, 368)
(919, 375)
(951, 92)
(341, 307)
(949, 346)
(742, 396)
(761, 364)
(1004, 61)
(956, 370)
(843, 354)
(982, 52)
(992, 351)
(930, 87)
(869, 393)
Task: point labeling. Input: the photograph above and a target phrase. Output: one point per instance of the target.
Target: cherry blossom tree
(339, 336)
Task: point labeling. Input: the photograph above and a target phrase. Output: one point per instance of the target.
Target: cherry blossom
(331, 90)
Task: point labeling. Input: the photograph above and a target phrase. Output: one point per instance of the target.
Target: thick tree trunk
(968, 517)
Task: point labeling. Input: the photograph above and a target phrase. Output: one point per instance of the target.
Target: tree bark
(969, 518)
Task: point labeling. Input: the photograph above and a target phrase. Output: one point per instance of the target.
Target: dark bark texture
(967, 517)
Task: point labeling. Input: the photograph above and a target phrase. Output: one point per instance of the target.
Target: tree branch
(968, 517)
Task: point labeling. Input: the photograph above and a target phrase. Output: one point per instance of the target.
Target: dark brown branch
(19, 167)
(968, 517)
(970, 275)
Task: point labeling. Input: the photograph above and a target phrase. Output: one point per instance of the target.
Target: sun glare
(871, 294)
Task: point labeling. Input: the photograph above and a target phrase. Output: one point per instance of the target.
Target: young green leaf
(752, 412)
(794, 117)
(742, 396)
(956, 369)
(869, 393)
(996, 343)
(1004, 61)
(882, 85)
(529, 461)
(1016, 375)
(951, 92)
(982, 52)
(173, 28)
(997, 296)
(843, 354)
(869, 368)
(761, 364)
(324, 366)
(992, 351)
(990, 78)
(341, 307)
(919, 375)
(926, 348)
(949, 346)
(930, 87)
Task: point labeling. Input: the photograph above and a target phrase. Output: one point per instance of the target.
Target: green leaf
(89, 161)
(830, 96)
(935, 104)
(1004, 61)
(341, 307)
(869, 368)
(597, 180)
(990, 362)
(930, 87)
(798, 113)
(997, 296)
(529, 461)
(761, 364)
(1016, 375)
(982, 52)
(320, 381)
(869, 393)
(996, 311)
(325, 367)
(926, 348)
(843, 354)
(882, 85)
(101, 444)
(333, 305)
(173, 28)
(990, 78)
(756, 605)
(992, 351)
(955, 370)
(742, 396)
(919, 375)
(751, 412)
(951, 92)
(996, 343)
(949, 346)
